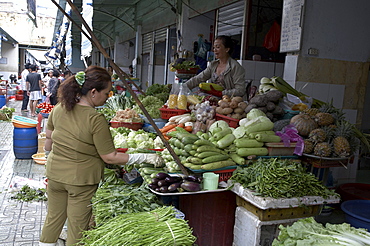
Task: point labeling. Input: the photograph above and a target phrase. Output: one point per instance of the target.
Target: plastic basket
(167, 113)
(224, 175)
(133, 126)
(231, 121)
(279, 213)
(357, 213)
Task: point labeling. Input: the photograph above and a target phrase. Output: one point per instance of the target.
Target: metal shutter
(160, 35)
(147, 42)
(230, 19)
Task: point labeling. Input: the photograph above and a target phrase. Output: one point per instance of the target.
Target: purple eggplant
(191, 178)
(162, 175)
(155, 181)
(172, 180)
(153, 186)
(163, 189)
(157, 189)
(190, 186)
(173, 187)
(162, 183)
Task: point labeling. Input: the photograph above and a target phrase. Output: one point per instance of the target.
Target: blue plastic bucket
(25, 142)
(357, 213)
(2, 101)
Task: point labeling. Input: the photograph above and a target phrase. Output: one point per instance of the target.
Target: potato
(270, 106)
(238, 110)
(242, 105)
(219, 110)
(224, 104)
(233, 104)
(236, 116)
(237, 99)
(226, 111)
(259, 100)
(250, 107)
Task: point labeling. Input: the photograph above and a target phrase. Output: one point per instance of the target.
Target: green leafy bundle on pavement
(28, 194)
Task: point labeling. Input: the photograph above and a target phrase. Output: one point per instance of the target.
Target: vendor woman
(224, 71)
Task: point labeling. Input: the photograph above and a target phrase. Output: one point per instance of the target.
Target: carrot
(188, 128)
(171, 130)
(168, 127)
(182, 125)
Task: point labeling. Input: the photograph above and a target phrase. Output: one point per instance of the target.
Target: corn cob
(207, 86)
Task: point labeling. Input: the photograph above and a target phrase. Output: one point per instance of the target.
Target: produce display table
(211, 214)
(258, 218)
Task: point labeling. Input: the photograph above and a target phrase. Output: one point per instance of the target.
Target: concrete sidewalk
(20, 222)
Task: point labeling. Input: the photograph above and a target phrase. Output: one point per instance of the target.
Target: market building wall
(10, 53)
(338, 30)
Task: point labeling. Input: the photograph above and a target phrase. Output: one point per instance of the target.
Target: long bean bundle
(158, 227)
(278, 178)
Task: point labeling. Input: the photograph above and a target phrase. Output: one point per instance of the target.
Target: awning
(38, 54)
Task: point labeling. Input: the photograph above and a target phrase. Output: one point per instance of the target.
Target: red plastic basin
(354, 191)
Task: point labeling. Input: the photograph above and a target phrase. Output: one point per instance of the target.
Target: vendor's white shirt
(24, 74)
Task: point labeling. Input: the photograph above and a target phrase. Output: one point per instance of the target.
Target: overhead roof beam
(115, 17)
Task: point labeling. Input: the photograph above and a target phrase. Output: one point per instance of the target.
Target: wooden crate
(279, 213)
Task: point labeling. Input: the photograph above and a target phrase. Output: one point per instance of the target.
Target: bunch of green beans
(279, 178)
(158, 227)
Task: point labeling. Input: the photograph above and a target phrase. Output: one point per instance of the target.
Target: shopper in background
(80, 144)
(45, 83)
(34, 84)
(224, 71)
(24, 74)
(53, 86)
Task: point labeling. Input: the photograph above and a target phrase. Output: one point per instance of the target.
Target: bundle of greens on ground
(308, 232)
(28, 194)
(158, 227)
(115, 197)
(279, 178)
(6, 113)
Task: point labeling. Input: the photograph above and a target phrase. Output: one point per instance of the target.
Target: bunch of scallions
(158, 227)
(308, 232)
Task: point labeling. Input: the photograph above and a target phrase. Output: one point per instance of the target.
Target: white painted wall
(339, 29)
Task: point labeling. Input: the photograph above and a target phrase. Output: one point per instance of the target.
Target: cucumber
(237, 158)
(215, 158)
(203, 142)
(207, 154)
(148, 170)
(252, 151)
(189, 139)
(218, 164)
(206, 148)
(219, 135)
(188, 147)
(247, 143)
(268, 138)
(192, 152)
(205, 136)
(253, 134)
(194, 160)
(226, 141)
(179, 144)
(146, 165)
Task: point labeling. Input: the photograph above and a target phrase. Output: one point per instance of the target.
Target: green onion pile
(158, 227)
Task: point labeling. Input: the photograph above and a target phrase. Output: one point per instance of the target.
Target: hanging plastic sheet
(87, 14)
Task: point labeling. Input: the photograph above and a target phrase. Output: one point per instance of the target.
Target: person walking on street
(24, 74)
(78, 144)
(53, 86)
(34, 85)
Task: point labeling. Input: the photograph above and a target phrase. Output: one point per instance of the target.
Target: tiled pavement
(20, 222)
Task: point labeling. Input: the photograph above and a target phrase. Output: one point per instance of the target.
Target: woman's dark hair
(55, 73)
(70, 91)
(227, 42)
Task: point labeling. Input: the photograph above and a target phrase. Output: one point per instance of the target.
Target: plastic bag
(272, 38)
(18, 182)
(203, 48)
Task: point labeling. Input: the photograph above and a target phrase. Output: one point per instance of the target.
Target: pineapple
(343, 132)
(311, 111)
(318, 135)
(335, 112)
(324, 119)
(308, 146)
(322, 149)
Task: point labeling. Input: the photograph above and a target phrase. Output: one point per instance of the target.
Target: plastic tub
(357, 213)
(354, 191)
(2, 101)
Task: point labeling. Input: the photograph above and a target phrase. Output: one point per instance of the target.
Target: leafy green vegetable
(127, 138)
(119, 102)
(152, 104)
(6, 113)
(308, 232)
(28, 194)
(157, 89)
